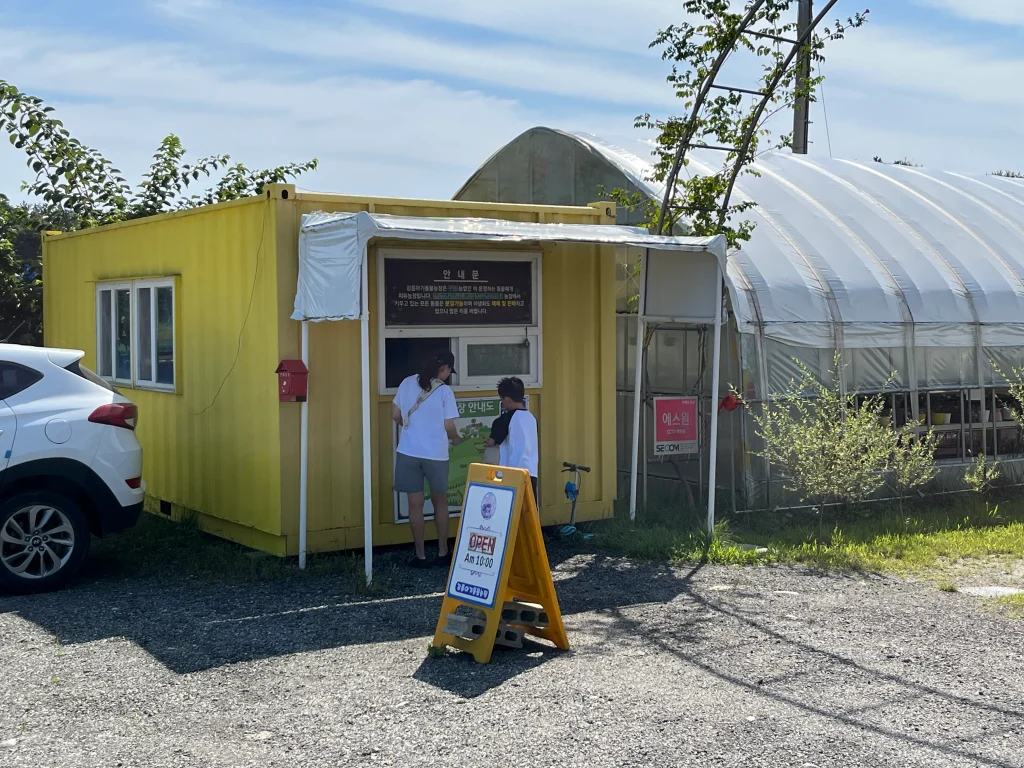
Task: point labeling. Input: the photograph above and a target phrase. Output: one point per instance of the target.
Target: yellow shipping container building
(188, 313)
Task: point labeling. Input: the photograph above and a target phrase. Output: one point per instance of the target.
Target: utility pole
(801, 105)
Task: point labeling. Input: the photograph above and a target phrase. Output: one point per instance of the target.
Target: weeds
(882, 541)
(1012, 605)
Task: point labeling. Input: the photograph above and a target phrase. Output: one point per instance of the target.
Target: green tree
(20, 282)
(752, 35)
(79, 187)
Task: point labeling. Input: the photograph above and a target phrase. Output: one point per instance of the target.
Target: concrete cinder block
(467, 627)
(509, 636)
(525, 614)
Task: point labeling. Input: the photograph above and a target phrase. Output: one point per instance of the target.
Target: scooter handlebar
(575, 467)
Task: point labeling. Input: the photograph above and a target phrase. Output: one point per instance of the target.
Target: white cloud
(1001, 12)
(383, 108)
(350, 40)
(883, 57)
(598, 24)
(373, 136)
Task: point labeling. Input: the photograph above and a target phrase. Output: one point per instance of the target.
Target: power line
(248, 311)
(824, 110)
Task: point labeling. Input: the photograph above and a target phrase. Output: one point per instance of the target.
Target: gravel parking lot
(670, 666)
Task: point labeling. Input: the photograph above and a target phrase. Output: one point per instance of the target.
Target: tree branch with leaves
(79, 188)
(83, 182)
(730, 118)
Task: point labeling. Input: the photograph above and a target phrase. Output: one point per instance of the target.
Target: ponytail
(430, 370)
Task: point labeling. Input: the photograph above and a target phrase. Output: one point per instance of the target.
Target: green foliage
(981, 474)
(21, 287)
(1011, 605)
(80, 188)
(727, 118)
(81, 181)
(913, 459)
(829, 447)
(903, 162)
(68, 174)
(1015, 380)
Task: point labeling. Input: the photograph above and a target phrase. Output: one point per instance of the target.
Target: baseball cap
(445, 357)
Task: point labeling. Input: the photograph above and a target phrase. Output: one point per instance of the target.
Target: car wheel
(44, 539)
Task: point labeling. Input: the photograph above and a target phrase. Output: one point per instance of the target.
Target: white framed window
(482, 360)
(136, 344)
(114, 332)
(484, 306)
(154, 334)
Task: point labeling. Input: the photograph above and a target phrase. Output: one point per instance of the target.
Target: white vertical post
(304, 452)
(638, 383)
(364, 343)
(715, 375)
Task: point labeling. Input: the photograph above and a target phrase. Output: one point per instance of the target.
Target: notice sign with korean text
(456, 292)
(476, 566)
(675, 426)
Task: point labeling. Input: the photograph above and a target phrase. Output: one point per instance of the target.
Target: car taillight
(134, 483)
(116, 415)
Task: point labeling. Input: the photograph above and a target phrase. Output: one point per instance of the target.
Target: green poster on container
(476, 414)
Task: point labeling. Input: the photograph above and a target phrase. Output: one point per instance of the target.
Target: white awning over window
(332, 247)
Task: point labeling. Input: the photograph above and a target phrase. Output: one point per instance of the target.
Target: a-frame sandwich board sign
(499, 562)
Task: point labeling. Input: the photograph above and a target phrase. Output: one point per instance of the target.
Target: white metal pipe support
(638, 383)
(715, 380)
(364, 342)
(304, 452)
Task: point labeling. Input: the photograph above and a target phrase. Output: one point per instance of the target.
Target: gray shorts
(410, 473)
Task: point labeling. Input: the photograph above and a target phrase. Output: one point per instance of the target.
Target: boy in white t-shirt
(515, 431)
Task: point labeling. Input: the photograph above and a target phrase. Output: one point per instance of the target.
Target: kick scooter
(572, 492)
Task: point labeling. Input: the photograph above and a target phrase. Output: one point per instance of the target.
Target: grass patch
(157, 547)
(946, 586)
(1011, 605)
(675, 537)
(875, 540)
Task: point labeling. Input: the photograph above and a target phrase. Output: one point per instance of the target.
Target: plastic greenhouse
(902, 270)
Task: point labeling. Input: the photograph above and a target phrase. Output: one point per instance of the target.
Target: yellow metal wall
(575, 407)
(237, 462)
(222, 460)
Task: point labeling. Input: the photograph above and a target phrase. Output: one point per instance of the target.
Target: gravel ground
(670, 666)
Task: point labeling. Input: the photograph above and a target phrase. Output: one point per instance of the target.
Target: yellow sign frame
(524, 577)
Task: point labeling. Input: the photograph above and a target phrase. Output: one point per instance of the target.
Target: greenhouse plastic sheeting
(852, 254)
(333, 245)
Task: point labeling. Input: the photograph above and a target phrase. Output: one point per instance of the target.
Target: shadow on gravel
(459, 673)
(816, 698)
(191, 626)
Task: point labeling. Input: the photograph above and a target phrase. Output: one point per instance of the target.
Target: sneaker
(419, 562)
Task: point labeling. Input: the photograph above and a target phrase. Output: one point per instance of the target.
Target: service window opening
(404, 356)
(483, 306)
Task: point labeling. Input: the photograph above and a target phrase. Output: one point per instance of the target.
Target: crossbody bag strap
(434, 385)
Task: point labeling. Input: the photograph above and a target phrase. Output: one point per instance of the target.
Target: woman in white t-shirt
(424, 408)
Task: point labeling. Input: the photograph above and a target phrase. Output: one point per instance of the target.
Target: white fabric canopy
(865, 255)
(332, 247)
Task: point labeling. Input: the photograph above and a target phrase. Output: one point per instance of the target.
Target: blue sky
(408, 97)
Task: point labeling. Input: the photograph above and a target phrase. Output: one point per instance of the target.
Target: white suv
(70, 465)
